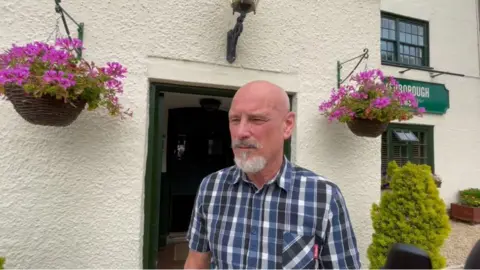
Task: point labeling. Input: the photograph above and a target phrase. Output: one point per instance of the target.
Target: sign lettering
(434, 97)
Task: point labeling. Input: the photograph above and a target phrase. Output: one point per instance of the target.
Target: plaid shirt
(295, 216)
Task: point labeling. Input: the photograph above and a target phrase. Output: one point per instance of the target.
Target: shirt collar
(283, 177)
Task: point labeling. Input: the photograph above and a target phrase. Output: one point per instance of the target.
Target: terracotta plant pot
(465, 213)
(367, 128)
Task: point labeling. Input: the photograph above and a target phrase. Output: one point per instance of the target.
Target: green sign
(433, 97)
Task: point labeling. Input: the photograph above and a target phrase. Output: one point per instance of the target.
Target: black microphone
(406, 256)
(473, 259)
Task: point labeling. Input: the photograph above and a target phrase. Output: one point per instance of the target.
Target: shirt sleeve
(339, 250)
(197, 232)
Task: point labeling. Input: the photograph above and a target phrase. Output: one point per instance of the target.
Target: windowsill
(400, 65)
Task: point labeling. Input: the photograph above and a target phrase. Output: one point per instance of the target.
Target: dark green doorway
(197, 143)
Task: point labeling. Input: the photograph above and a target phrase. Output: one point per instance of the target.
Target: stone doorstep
(181, 252)
(174, 254)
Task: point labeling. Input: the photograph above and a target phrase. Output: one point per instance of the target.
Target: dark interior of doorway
(157, 225)
(198, 143)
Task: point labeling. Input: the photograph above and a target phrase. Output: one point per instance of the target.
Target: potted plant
(369, 102)
(469, 207)
(48, 85)
(411, 212)
(437, 179)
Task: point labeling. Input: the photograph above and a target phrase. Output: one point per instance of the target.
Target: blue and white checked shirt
(277, 226)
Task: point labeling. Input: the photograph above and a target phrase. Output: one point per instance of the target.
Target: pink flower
(67, 44)
(381, 103)
(370, 95)
(44, 69)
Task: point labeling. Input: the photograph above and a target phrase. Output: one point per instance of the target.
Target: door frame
(155, 149)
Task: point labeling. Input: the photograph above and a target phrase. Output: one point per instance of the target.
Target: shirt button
(254, 231)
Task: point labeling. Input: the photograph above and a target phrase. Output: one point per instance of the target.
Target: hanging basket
(367, 128)
(46, 110)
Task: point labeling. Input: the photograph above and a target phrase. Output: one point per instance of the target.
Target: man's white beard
(250, 165)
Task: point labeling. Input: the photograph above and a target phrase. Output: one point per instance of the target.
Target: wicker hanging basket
(367, 128)
(46, 110)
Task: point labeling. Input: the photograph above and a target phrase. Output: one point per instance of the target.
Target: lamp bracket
(232, 37)
(80, 26)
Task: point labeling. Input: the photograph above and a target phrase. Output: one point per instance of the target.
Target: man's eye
(258, 120)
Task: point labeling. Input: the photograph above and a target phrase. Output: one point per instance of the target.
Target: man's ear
(289, 125)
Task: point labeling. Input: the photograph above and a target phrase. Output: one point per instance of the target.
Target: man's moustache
(244, 144)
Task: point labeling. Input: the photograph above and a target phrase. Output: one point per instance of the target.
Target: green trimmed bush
(2, 261)
(411, 213)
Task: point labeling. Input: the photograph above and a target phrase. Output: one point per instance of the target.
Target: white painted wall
(73, 197)
(454, 45)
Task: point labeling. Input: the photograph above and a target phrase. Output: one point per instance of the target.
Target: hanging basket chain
(55, 31)
(80, 26)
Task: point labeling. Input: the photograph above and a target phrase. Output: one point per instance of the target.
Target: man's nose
(243, 131)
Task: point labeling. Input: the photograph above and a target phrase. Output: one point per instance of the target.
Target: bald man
(265, 212)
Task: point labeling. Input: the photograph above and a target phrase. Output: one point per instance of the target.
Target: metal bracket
(433, 73)
(232, 38)
(364, 55)
(80, 26)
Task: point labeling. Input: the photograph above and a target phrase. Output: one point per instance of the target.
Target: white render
(73, 197)
(454, 47)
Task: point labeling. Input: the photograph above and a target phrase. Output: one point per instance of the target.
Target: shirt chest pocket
(298, 250)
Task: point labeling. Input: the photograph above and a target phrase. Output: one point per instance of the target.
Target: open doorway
(197, 144)
(188, 139)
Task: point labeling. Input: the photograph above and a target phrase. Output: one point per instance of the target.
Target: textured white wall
(454, 47)
(73, 197)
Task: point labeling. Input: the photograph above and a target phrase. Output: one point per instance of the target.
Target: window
(404, 41)
(404, 143)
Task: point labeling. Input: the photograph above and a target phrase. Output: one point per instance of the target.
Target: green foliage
(391, 167)
(412, 213)
(2, 262)
(43, 69)
(371, 95)
(470, 197)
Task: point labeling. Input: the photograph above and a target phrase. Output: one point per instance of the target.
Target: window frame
(429, 133)
(400, 18)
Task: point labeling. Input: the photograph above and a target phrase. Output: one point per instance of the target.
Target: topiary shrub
(411, 213)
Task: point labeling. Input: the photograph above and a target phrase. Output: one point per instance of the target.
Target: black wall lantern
(243, 7)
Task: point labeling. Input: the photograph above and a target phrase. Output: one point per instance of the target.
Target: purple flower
(38, 66)
(54, 57)
(371, 95)
(406, 98)
(394, 83)
(115, 84)
(114, 69)
(67, 44)
(359, 95)
(340, 112)
(381, 102)
(16, 76)
(59, 77)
